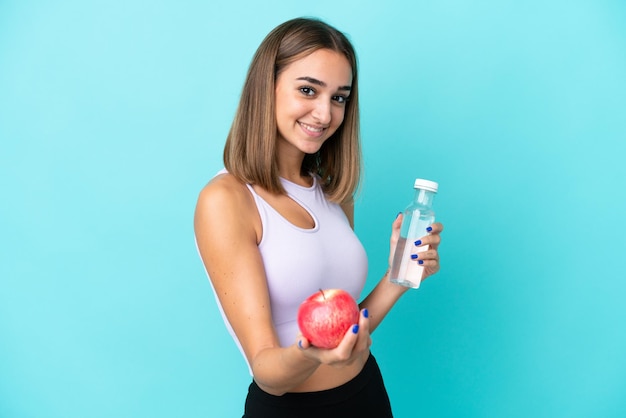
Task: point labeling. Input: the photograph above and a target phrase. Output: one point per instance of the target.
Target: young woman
(276, 225)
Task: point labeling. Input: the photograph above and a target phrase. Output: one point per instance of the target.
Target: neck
(290, 165)
(295, 176)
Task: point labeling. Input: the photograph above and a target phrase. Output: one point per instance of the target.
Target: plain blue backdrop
(113, 115)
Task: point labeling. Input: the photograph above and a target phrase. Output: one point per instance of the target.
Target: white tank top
(298, 262)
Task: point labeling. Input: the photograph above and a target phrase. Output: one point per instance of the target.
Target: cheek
(293, 108)
(339, 114)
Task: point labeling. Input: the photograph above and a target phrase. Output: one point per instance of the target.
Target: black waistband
(323, 397)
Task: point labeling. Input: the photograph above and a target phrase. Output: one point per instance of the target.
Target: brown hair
(250, 151)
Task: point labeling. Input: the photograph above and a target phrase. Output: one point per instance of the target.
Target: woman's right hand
(354, 345)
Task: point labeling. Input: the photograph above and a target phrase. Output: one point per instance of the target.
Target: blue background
(113, 115)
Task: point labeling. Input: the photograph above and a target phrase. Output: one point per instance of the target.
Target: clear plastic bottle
(418, 216)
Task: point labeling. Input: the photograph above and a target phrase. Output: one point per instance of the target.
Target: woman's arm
(385, 295)
(228, 229)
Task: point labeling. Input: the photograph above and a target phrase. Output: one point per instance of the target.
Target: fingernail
(430, 228)
(355, 329)
(418, 242)
(398, 215)
(414, 257)
(366, 314)
(420, 261)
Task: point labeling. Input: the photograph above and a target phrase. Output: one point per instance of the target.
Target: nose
(321, 112)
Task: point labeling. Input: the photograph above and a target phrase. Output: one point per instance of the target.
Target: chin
(310, 150)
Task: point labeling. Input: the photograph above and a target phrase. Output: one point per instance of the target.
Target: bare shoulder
(225, 200)
(223, 189)
(223, 194)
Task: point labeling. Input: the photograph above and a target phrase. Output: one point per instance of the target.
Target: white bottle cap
(426, 185)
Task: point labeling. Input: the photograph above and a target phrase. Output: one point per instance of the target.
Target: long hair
(250, 151)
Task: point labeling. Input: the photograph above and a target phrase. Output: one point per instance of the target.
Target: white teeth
(310, 128)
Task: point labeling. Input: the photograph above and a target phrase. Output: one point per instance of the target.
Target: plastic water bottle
(418, 216)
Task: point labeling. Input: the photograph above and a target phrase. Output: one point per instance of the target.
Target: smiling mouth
(312, 129)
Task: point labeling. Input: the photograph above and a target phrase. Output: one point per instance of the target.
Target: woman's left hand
(429, 258)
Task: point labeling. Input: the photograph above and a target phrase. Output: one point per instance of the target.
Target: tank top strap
(258, 200)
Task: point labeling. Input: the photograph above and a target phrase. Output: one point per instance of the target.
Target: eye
(341, 99)
(307, 91)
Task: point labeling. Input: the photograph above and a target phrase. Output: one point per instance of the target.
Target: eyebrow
(321, 83)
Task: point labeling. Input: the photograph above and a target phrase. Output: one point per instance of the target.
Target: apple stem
(323, 295)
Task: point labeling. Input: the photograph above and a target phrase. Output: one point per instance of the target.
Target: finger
(432, 240)
(364, 330)
(346, 346)
(395, 235)
(364, 322)
(425, 255)
(303, 343)
(436, 228)
(397, 223)
(395, 228)
(433, 230)
(431, 264)
(364, 318)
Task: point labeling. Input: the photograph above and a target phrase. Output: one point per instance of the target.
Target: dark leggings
(364, 396)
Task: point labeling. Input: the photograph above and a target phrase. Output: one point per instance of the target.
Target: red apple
(325, 316)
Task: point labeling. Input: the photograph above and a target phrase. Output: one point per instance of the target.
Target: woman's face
(311, 98)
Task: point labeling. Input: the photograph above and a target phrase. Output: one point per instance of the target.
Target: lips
(315, 130)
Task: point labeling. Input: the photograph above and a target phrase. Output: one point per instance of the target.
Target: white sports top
(298, 262)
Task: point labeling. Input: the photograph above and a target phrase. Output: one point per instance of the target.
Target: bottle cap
(426, 185)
